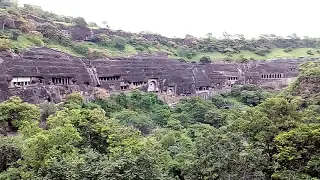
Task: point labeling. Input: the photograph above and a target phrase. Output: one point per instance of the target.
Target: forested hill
(30, 26)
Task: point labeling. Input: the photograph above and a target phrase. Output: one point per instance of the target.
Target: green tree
(185, 52)
(180, 148)
(309, 52)
(75, 98)
(47, 154)
(223, 156)
(90, 124)
(119, 43)
(14, 112)
(196, 108)
(80, 21)
(9, 152)
(5, 44)
(215, 117)
(299, 151)
(139, 121)
(262, 124)
(92, 24)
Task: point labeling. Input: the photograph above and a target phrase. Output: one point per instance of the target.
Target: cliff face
(42, 74)
(3, 81)
(45, 74)
(307, 86)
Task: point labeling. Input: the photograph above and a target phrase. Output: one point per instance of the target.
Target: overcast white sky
(196, 17)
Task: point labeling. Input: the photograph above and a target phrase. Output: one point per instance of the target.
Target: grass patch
(64, 23)
(65, 49)
(27, 41)
(274, 54)
(23, 42)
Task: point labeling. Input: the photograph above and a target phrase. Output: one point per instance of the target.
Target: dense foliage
(246, 134)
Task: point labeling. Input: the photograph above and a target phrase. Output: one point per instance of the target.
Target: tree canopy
(137, 136)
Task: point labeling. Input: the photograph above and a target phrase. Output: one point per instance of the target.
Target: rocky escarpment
(307, 85)
(3, 80)
(45, 74)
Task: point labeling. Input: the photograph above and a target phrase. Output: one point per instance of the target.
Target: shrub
(172, 44)
(4, 35)
(286, 50)
(68, 19)
(243, 59)
(103, 40)
(75, 98)
(310, 52)
(15, 34)
(48, 30)
(186, 52)
(64, 40)
(46, 40)
(92, 24)
(80, 21)
(139, 48)
(119, 43)
(12, 34)
(229, 50)
(5, 44)
(52, 32)
(36, 33)
(248, 94)
(205, 59)
(59, 18)
(14, 11)
(318, 51)
(16, 49)
(262, 51)
(35, 39)
(81, 49)
(228, 58)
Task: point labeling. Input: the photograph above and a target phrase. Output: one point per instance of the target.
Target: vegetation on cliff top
(21, 30)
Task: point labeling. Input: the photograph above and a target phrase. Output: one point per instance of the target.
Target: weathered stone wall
(308, 86)
(45, 64)
(52, 93)
(52, 75)
(45, 74)
(3, 81)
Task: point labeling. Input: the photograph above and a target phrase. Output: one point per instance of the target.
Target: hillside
(30, 26)
(307, 83)
(152, 117)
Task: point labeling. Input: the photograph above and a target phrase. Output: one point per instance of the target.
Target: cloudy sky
(196, 17)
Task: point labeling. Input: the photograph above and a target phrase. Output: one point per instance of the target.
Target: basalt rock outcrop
(43, 74)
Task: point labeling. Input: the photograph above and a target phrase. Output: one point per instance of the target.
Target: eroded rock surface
(43, 74)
